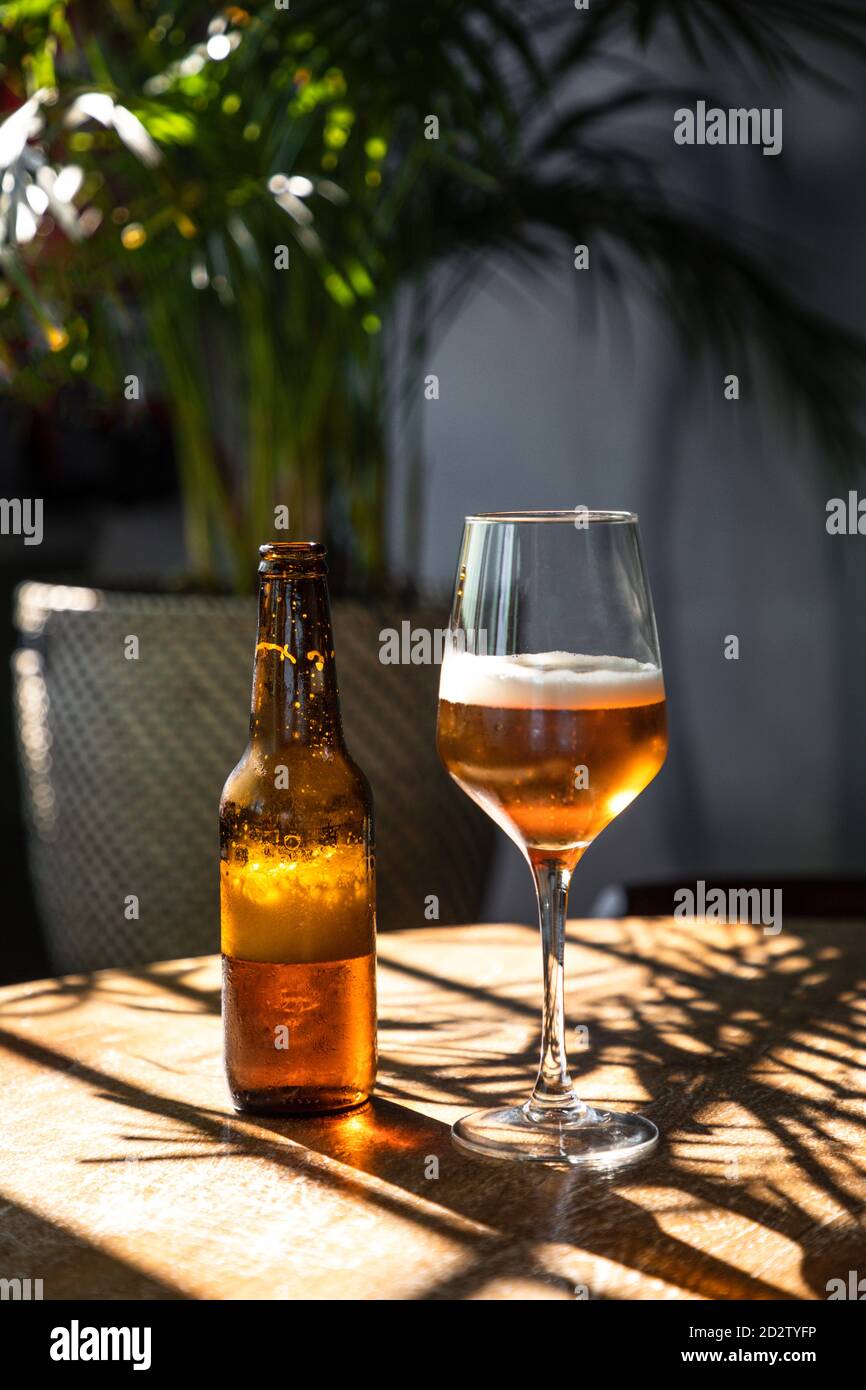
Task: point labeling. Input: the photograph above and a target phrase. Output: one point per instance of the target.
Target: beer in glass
(552, 718)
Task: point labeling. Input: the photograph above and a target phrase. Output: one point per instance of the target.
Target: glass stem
(554, 1095)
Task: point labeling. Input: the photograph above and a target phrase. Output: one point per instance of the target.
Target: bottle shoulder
(295, 776)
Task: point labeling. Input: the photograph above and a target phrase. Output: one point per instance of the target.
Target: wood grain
(124, 1172)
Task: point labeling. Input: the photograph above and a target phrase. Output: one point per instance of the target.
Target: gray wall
(540, 407)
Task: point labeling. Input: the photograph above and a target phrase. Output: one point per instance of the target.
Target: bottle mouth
(292, 557)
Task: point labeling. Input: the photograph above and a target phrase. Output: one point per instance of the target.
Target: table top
(124, 1172)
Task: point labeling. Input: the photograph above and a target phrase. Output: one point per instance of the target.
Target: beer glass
(552, 718)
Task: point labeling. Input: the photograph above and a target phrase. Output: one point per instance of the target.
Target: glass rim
(570, 514)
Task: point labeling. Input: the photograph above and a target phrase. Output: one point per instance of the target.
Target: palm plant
(233, 204)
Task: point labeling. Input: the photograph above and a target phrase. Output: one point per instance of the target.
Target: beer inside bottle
(297, 894)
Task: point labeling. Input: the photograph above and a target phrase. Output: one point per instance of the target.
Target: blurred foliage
(169, 150)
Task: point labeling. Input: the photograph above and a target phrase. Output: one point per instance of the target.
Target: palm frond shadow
(747, 1056)
(748, 1051)
(73, 991)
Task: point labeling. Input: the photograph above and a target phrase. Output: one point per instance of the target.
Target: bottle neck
(295, 694)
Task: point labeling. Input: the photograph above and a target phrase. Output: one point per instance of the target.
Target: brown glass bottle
(297, 894)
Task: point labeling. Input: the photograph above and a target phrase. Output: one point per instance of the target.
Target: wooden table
(125, 1174)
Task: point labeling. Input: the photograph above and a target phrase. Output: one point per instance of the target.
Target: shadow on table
(30, 1246)
(70, 992)
(755, 1038)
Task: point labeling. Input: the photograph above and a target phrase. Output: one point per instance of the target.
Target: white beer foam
(549, 680)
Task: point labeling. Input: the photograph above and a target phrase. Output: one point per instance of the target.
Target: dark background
(542, 405)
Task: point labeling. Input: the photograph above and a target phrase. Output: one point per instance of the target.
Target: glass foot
(593, 1140)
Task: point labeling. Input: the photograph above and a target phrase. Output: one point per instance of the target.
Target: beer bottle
(297, 896)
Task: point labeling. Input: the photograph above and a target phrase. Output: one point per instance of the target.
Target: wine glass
(552, 718)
